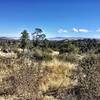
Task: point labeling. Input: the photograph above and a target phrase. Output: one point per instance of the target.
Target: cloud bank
(74, 30)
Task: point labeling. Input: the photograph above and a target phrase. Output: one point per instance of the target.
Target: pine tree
(25, 40)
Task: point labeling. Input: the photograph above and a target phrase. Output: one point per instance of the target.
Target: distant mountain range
(51, 39)
(67, 38)
(5, 39)
(8, 38)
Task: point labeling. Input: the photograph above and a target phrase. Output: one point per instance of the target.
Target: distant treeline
(82, 45)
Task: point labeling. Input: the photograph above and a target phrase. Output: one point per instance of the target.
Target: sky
(57, 18)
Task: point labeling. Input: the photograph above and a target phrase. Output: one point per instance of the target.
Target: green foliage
(25, 39)
(77, 46)
(68, 47)
(87, 45)
(46, 43)
(38, 37)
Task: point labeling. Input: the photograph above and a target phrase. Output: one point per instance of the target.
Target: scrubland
(49, 75)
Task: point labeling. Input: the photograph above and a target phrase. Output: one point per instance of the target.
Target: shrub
(89, 78)
(68, 47)
(40, 55)
(73, 58)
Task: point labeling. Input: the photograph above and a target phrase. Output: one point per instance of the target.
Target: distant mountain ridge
(51, 39)
(8, 38)
(68, 38)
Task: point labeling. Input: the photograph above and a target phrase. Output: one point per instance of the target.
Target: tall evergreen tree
(25, 40)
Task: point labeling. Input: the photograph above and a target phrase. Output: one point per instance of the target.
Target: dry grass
(8, 55)
(57, 75)
(49, 98)
(28, 79)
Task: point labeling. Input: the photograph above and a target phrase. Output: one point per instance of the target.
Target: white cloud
(75, 30)
(79, 30)
(98, 30)
(62, 31)
(83, 30)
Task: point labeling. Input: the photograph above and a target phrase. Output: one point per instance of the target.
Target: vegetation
(49, 70)
(38, 37)
(24, 39)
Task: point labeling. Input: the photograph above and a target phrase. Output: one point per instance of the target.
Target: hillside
(65, 70)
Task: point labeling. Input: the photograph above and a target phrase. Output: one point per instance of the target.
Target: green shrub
(68, 47)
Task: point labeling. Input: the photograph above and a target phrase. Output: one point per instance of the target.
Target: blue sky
(58, 18)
